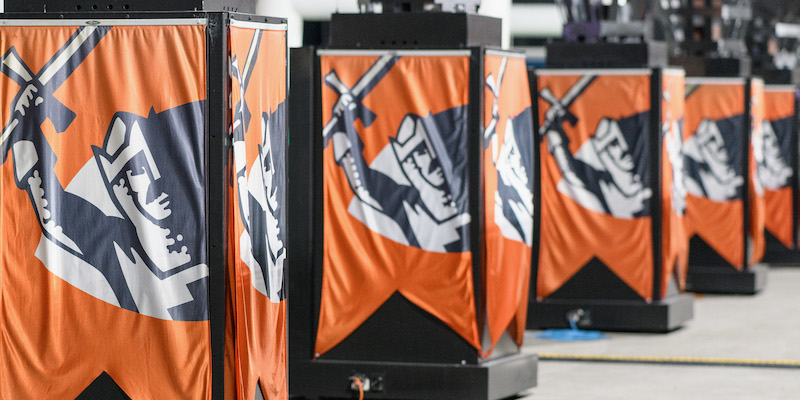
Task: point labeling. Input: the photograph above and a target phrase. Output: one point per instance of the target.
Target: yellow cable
(672, 360)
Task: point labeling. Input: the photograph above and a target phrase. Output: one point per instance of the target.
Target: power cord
(360, 385)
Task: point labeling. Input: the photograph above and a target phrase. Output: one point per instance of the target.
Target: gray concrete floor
(765, 326)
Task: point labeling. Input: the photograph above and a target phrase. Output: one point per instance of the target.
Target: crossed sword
(361, 89)
(240, 126)
(54, 73)
(337, 133)
(555, 116)
(494, 87)
(243, 78)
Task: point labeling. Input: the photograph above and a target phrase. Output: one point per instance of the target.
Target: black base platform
(614, 315)
(494, 379)
(606, 55)
(716, 280)
(710, 66)
(782, 258)
(777, 254)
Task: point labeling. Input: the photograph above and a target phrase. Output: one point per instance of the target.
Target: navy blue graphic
(610, 172)
(714, 162)
(515, 192)
(129, 228)
(262, 191)
(414, 192)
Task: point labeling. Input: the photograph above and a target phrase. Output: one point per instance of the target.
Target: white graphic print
(513, 199)
(672, 133)
(711, 170)
(413, 191)
(260, 193)
(773, 169)
(604, 175)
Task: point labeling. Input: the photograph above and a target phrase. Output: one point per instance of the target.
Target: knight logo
(514, 195)
(711, 166)
(261, 191)
(413, 192)
(672, 133)
(773, 165)
(608, 174)
(128, 228)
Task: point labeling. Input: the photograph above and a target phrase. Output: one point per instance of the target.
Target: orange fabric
(778, 211)
(507, 262)
(54, 338)
(361, 268)
(778, 105)
(572, 235)
(718, 223)
(675, 247)
(259, 324)
(230, 346)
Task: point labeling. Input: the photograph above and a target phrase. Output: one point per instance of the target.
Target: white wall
(500, 9)
(284, 8)
(536, 20)
(299, 10)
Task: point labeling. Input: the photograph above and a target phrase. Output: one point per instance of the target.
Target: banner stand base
(777, 254)
(782, 258)
(613, 315)
(489, 380)
(716, 280)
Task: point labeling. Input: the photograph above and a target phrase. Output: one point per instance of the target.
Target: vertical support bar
(747, 127)
(217, 182)
(475, 176)
(537, 185)
(285, 200)
(305, 197)
(317, 187)
(795, 162)
(655, 144)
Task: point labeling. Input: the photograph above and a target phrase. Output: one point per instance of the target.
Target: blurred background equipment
(707, 37)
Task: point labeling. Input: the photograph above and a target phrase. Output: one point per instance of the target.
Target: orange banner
(775, 172)
(508, 195)
(595, 189)
(102, 222)
(675, 247)
(395, 190)
(714, 149)
(258, 216)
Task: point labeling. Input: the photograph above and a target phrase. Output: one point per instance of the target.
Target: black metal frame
(656, 174)
(103, 6)
(216, 158)
(446, 365)
(747, 127)
(606, 55)
(537, 187)
(622, 311)
(217, 180)
(306, 195)
(414, 30)
(475, 177)
(796, 168)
